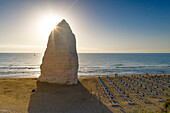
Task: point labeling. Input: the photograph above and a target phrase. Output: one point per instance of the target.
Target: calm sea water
(14, 65)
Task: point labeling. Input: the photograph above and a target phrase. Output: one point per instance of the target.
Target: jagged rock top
(63, 24)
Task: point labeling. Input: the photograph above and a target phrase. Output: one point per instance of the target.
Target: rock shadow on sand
(54, 98)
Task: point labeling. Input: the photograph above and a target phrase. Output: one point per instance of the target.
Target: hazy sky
(111, 26)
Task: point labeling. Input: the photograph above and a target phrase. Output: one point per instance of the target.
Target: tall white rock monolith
(60, 60)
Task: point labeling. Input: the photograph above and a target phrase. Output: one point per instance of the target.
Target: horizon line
(78, 53)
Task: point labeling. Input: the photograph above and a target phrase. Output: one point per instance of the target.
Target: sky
(100, 26)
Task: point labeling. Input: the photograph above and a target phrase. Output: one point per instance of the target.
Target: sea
(27, 65)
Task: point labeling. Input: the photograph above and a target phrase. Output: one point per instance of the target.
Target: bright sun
(48, 23)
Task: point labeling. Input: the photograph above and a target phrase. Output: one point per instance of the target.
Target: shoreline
(82, 76)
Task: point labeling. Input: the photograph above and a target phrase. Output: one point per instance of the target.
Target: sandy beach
(16, 96)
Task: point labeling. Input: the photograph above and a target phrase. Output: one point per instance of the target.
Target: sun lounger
(129, 101)
(159, 99)
(113, 102)
(145, 100)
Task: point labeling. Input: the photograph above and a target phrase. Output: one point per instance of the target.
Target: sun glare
(48, 23)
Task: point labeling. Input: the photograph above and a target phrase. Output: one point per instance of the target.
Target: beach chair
(117, 88)
(106, 92)
(111, 98)
(137, 92)
(141, 86)
(108, 96)
(120, 90)
(129, 86)
(151, 90)
(141, 96)
(145, 88)
(113, 102)
(154, 95)
(126, 97)
(123, 83)
(145, 91)
(129, 101)
(132, 89)
(159, 99)
(122, 94)
(163, 89)
(105, 88)
(134, 81)
(115, 84)
(145, 100)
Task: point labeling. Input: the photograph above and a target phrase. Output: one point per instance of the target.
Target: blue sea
(25, 65)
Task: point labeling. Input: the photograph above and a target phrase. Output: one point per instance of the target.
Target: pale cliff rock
(60, 61)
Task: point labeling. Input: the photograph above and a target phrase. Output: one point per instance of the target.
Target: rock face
(60, 61)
